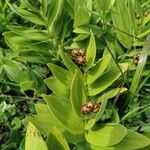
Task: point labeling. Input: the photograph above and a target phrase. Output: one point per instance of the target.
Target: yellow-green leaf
(106, 135)
(91, 52)
(56, 140)
(78, 96)
(33, 139)
(98, 69)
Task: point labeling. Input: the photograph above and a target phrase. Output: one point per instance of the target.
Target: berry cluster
(90, 107)
(78, 56)
(136, 58)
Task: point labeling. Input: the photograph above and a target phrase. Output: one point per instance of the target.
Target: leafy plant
(99, 91)
(66, 105)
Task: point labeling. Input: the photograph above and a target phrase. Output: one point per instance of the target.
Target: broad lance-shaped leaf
(42, 108)
(33, 139)
(91, 52)
(98, 69)
(46, 119)
(110, 94)
(42, 122)
(70, 7)
(131, 141)
(26, 85)
(124, 22)
(30, 34)
(84, 16)
(63, 111)
(78, 96)
(57, 87)
(55, 13)
(61, 74)
(56, 140)
(72, 67)
(26, 14)
(28, 5)
(16, 71)
(106, 79)
(16, 75)
(44, 7)
(14, 41)
(86, 29)
(106, 135)
(140, 67)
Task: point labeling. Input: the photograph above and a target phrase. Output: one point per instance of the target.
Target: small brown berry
(136, 58)
(85, 110)
(74, 52)
(80, 60)
(90, 105)
(96, 110)
(82, 52)
(96, 107)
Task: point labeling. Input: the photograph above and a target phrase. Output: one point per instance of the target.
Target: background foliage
(41, 75)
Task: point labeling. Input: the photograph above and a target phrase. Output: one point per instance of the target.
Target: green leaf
(124, 23)
(144, 31)
(61, 74)
(102, 108)
(42, 122)
(91, 52)
(29, 6)
(70, 7)
(63, 111)
(106, 135)
(98, 69)
(22, 145)
(33, 139)
(110, 94)
(46, 116)
(86, 29)
(15, 41)
(40, 86)
(80, 37)
(41, 109)
(57, 87)
(78, 96)
(84, 16)
(55, 13)
(56, 140)
(44, 6)
(133, 140)
(140, 67)
(16, 71)
(26, 85)
(68, 62)
(106, 80)
(30, 34)
(26, 14)
(103, 4)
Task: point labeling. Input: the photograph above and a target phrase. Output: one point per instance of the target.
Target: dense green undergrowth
(74, 74)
